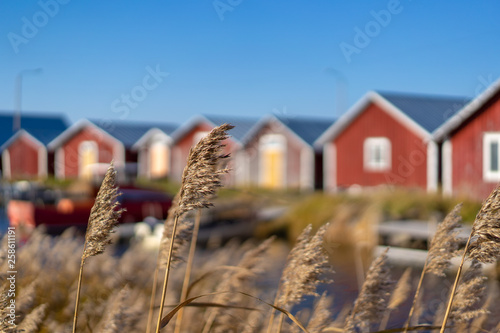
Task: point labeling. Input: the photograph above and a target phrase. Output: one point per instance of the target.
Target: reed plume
(183, 235)
(200, 181)
(103, 218)
(306, 263)
(470, 294)
(32, 321)
(120, 313)
(373, 297)
(483, 244)
(321, 316)
(443, 247)
(399, 295)
(250, 265)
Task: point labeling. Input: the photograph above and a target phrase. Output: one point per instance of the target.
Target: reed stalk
(187, 274)
(200, 180)
(443, 246)
(103, 217)
(455, 284)
(78, 289)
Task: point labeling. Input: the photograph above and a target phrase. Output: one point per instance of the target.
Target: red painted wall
(23, 158)
(105, 147)
(180, 151)
(408, 152)
(467, 152)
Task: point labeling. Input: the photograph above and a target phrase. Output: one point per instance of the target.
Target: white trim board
(371, 97)
(466, 112)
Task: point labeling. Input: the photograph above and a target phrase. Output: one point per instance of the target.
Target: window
(377, 154)
(87, 151)
(491, 154)
(199, 135)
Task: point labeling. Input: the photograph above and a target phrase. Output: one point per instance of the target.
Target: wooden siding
(71, 155)
(467, 152)
(180, 151)
(24, 158)
(408, 152)
(292, 156)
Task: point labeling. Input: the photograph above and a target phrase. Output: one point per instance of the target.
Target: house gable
(23, 156)
(469, 156)
(408, 151)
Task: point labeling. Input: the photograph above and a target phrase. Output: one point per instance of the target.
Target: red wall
(408, 152)
(105, 146)
(467, 152)
(23, 158)
(182, 147)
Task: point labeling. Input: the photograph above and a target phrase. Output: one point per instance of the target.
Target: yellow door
(273, 161)
(88, 157)
(159, 160)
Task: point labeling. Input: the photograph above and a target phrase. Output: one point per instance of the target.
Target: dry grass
(233, 285)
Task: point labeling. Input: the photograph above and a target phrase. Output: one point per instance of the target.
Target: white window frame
(385, 148)
(488, 174)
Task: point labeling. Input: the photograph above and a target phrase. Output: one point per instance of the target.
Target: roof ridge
(421, 95)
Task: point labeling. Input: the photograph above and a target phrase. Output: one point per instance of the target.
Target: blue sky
(170, 60)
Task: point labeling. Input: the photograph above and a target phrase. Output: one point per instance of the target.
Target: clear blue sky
(239, 57)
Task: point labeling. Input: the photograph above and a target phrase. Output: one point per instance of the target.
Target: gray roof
(308, 129)
(428, 111)
(129, 132)
(43, 127)
(242, 125)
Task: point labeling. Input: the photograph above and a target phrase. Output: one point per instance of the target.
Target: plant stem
(189, 266)
(79, 287)
(280, 323)
(417, 292)
(459, 272)
(153, 294)
(271, 320)
(167, 272)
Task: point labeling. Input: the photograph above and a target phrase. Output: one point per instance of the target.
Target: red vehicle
(59, 214)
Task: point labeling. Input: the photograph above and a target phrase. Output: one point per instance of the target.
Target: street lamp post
(341, 89)
(16, 124)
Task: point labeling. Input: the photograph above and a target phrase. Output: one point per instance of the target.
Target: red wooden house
(280, 153)
(471, 147)
(84, 148)
(87, 147)
(190, 133)
(23, 140)
(386, 139)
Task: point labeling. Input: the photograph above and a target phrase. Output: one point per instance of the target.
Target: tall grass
(241, 286)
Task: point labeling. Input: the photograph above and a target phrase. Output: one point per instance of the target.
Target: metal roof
(428, 111)
(475, 105)
(129, 132)
(242, 125)
(43, 127)
(308, 129)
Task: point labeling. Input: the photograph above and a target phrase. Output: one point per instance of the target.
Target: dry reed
(443, 247)
(103, 218)
(483, 244)
(373, 297)
(200, 180)
(399, 295)
(302, 274)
